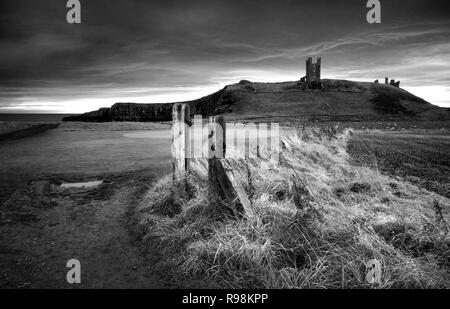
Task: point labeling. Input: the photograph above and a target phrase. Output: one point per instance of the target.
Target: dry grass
(315, 221)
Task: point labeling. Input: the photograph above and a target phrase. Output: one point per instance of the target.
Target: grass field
(79, 154)
(422, 159)
(113, 126)
(315, 221)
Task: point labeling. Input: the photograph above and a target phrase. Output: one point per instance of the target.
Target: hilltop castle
(392, 82)
(312, 78)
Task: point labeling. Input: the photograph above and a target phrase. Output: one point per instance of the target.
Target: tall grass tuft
(315, 222)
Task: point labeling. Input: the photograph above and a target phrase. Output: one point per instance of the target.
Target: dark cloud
(169, 50)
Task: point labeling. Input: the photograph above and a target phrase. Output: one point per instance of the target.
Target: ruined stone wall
(392, 82)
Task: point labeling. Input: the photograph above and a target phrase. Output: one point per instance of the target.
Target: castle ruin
(392, 82)
(312, 78)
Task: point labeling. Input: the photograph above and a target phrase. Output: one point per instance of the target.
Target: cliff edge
(336, 100)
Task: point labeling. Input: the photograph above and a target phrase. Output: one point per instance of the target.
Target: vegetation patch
(417, 157)
(315, 221)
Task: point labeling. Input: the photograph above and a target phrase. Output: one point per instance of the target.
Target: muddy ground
(43, 226)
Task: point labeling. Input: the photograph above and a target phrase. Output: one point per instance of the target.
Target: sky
(163, 51)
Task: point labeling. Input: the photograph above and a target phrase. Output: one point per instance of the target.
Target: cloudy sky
(162, 51)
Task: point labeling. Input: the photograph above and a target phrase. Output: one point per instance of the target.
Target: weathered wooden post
(274, 142)
(223, 185)
(262, 138)
(181, 140)
(216, 151)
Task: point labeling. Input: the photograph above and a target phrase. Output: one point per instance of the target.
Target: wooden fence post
(223, 185)
(181, 141)
(216, 151)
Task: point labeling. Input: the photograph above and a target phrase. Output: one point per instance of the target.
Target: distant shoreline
(28, 117)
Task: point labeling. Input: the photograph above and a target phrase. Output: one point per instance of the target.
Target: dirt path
(43, 226)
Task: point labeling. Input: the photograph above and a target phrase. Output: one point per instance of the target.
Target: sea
(33, 117)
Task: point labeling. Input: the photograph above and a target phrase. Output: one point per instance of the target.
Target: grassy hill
(337, 100)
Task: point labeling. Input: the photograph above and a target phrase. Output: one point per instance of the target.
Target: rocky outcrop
(141, 112)
(336, 100)
(215, 103)
(101, 115)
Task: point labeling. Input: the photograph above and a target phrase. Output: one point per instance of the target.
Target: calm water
(33, 117)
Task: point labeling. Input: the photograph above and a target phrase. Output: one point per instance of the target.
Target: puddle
(87, 184)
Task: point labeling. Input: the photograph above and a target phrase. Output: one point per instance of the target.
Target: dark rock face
(101, 115)
(212, 104)
(141, 112)
(127, 112)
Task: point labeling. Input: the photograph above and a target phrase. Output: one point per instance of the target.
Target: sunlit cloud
(83, 104)
(168, 52)
(438, 95)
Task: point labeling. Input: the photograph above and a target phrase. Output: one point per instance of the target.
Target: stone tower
(313, 73)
